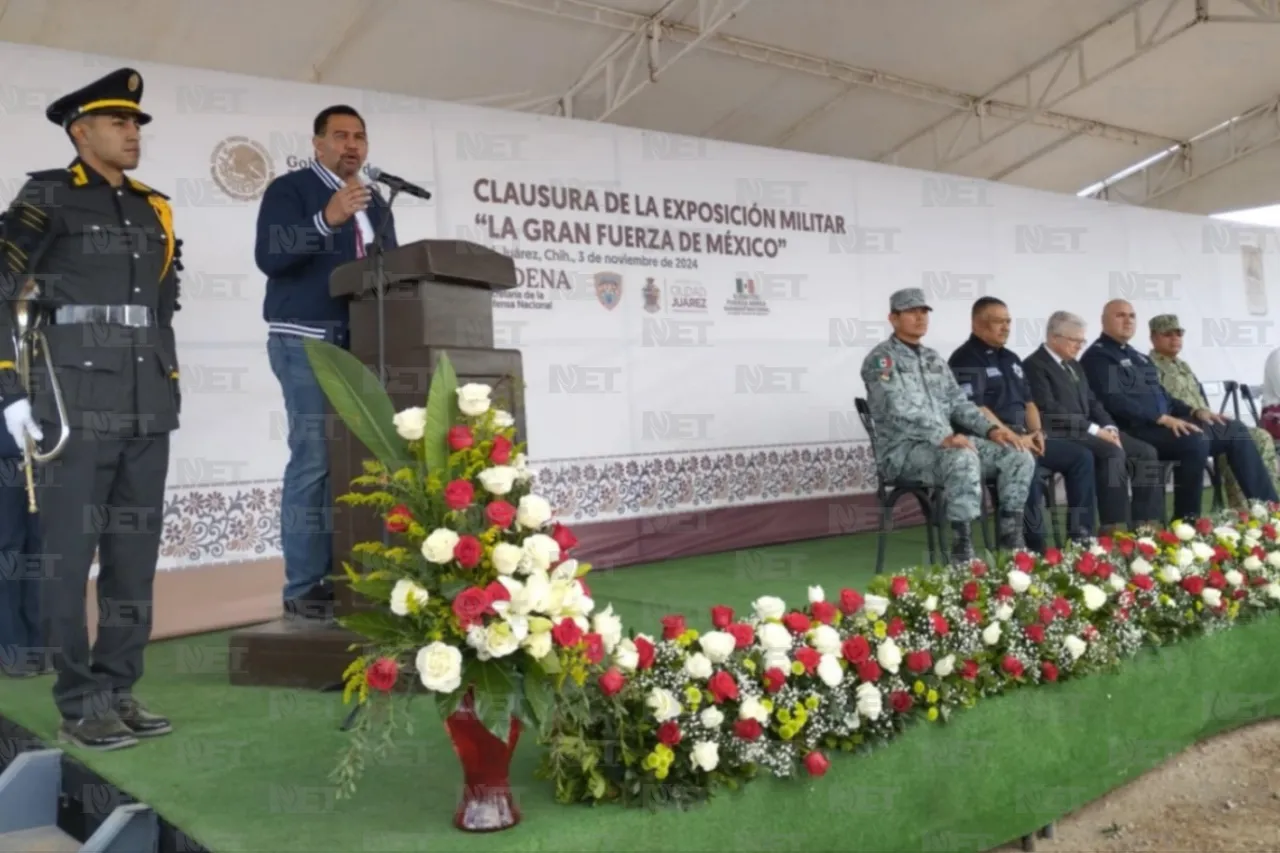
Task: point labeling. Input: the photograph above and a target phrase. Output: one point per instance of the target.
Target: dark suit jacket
(1066, 408)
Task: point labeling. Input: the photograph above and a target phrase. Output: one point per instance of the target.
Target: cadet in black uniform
(101, 248)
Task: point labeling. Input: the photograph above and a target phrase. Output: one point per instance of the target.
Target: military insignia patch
(608, 289)
(134, 82)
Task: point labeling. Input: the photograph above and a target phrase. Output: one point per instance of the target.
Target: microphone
(398, 184)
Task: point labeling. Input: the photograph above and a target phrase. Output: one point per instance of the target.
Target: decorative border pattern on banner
(224, 523)
(600, 489)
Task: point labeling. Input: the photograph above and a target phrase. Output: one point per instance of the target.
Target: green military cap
(907, 299)
(119, 93)
(1163, 323)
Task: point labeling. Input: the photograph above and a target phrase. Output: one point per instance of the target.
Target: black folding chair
(891, 490)
(1049, 485)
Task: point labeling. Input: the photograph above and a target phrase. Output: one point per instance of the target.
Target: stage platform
(246, 771)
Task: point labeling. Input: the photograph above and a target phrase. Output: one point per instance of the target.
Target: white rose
(1212, 597)
(816, 594)
(439, 667)
(502, 419)
(773, 637)
(869, 701)
(497, 480)
(698, 666)
(889, 655)
(945, 667)
(663, 704)
(991, 634)
(875, 605)
(1140, 567)
(1097, 550)
(1228, 533)
(503, 638)
(1273, 559)
(411, 423)
(438, 547)
(506, 558)
(717, 645)
(1234, 578)
(1094, 597)
(705, 756)
(533, 512)
(607, 624)
(627, 656)
(1253, 535)
(751, 709)
(1004, 613)
(769, 607)
(540, 551)
(1117, 583)
(523, 472)
(1185, 558)
(406, 595)
(711, 717)
(1203, 551)
(473, 399)
(538, 646)
(1259, 511)
(1169, 574)
(1273, 591)
(779, 661)
(931, 603)
(829, 670)
(1252, 564)
(1184, 531)
(825, 639)
(1075, 647)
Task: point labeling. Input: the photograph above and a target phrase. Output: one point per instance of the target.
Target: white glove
(18, 420)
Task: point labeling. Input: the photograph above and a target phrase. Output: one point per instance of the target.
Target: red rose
(1204, 526)
(669, 733)
(869, 671)
(972, 615)
(567, 634)
(969, 592)
(1126, 547)
(564, 538)
(721, 616)
(458, 494)
(1193, 584)
(723, 687)
(823, 611)
(1104, 571)
(1062, 607)
(1046, 614)
(747, 729)
(901, 701)
(644, 653)
(978, 569)
(895, 627)
(612, 682)
(1049, 671)
(1035, 633)
(856, 649)
(500, 514)
(899, 586)
(1024, 562)
(1269, 531)
(398, 519)
(1053, 556)
(468, 552)
(672, 626)
(919, 661)
(940, 625)
(501, 452)
(496, 592)
(382, 674)
(1146, 550)
(1143, 582)
(1087, 565)
(1238, 594)
(1217, 579)
(816, 763)
(851, 601)
(809, 658)
(594, 648)
(1012, 666)
(774, 679)
(1105, 542)
(470, 605)
(970, 670)
(1168, 537)
(796, 623)
(460, 438)
(743, 634)
(1004, 591)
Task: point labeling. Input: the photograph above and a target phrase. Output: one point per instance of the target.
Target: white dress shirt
(362, 218)
(1271, 380)
(1093, 428)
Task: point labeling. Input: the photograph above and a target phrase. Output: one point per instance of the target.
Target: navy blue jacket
(994, 379)
(298, 251)
(1127, 383)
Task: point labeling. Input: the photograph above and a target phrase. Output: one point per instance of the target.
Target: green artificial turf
(247, 768)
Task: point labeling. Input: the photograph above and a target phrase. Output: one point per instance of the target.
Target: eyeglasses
(1078, 341)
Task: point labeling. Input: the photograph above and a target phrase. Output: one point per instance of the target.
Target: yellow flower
(767, 704)
(812, 703)
(784, 715)
(932, 697)
(661, 772)
(663, 753)
(932, 715)
(881, 630)
(693, 696)
(687, 638)
(787, 732)
(749, 665)
(918, 687)
(797, 668)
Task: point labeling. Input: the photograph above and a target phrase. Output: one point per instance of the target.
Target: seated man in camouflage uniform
(1180, 381)
(914, 400)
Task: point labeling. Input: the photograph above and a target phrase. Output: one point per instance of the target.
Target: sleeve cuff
(1094, 429)
(321, 225)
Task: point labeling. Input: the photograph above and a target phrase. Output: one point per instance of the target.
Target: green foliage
(359, 399)
(442, 407)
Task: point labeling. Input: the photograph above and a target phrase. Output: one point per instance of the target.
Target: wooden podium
(438, 299)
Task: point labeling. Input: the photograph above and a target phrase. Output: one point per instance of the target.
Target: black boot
(1010, 531)
(961, 544)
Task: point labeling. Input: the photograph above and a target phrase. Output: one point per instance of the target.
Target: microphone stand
(378, 253)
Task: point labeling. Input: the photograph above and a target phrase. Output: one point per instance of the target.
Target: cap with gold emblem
(120, 92)
(1162, 324)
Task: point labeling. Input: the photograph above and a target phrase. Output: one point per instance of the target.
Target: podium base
(291, 653)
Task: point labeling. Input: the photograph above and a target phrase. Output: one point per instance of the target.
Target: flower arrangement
(669, 718)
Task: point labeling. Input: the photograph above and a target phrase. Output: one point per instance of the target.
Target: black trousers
(21, 646)
(1134, 466)
(1075, 464)
(106, 493)
(1192, 452)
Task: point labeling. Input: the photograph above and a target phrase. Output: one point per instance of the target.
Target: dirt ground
(1221, 796)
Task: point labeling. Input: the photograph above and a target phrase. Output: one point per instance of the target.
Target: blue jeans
(20, 572)
(306, 507)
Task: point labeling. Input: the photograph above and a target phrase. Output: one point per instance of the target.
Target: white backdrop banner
(692, 315)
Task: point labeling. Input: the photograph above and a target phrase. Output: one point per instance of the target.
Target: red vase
(486, 804)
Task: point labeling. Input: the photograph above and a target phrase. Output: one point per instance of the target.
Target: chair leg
(882, 537)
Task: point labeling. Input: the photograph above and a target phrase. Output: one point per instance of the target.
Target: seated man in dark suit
(21, 647)
(1128, 385)
(1070, 412)
(992, 377)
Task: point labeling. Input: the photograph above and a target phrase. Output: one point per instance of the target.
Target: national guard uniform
(106, 261)
(914, 401)
(1180, 381)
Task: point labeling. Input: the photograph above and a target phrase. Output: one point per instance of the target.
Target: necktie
(359, 240)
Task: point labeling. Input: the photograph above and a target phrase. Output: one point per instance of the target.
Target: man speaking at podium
(312, 221)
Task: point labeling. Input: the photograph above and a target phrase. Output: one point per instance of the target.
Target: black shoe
(102, 734)
(961, 544)
(315, 604)
(139, 720)
(1009, 531)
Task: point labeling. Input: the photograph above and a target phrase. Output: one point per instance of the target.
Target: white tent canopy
(1042, 93)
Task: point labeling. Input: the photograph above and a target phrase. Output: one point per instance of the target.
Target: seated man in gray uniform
(915, 401)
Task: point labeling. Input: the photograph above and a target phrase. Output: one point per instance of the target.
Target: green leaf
(550, 664)
(375, 590)
(359, 399)
(442, 403)
(493, 689)
(376, 625)
(447, 703)
(452, 589)
(541, 699)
